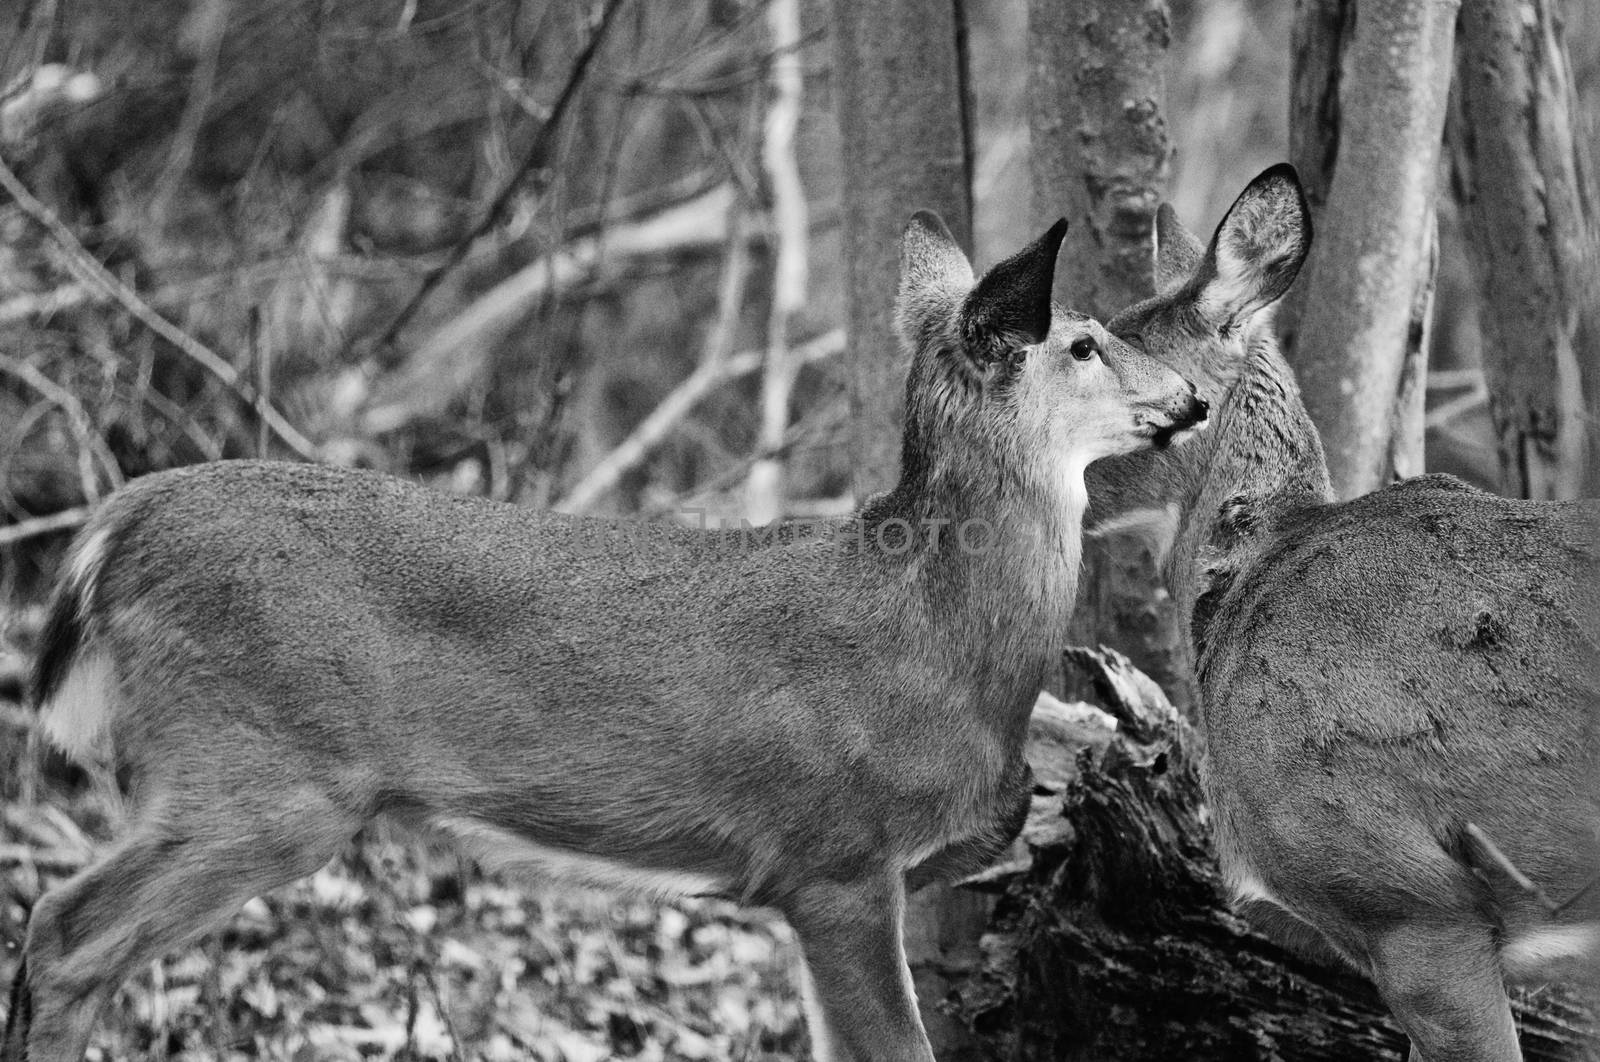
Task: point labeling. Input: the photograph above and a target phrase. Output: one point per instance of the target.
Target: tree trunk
(1099, 157)
(899, 86)
(899, 83)
(1368, 148)
(1319, 37)
(1099, 145)
(1115, 940)
(1520, 169)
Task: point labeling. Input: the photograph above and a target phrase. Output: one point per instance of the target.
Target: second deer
(264, 657)
(1399, 695)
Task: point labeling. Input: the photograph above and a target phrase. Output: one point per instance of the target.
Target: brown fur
(793, 719)
(1375, 674)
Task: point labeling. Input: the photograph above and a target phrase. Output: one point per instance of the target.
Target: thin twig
(44, 525)
(542, 139)
(1504, 862)
(91, 271)
(179, 418)
(89, 444)
(213, 19)
(1447, 411)
(45, 304)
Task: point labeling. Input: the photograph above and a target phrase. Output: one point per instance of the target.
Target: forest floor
(402, 949)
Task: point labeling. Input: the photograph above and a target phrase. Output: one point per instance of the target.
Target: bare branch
(654, 428)
(11, 534)
(61, 862)
(89, 444)
(210, 19)
(45, 303)
(672, 409)
(542, 139)
(454, 355)
(90, 271)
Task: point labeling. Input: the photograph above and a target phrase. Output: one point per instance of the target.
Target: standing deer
(264, 657)
(1399, 695)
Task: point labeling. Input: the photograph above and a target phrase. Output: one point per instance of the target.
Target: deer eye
(1085, 348)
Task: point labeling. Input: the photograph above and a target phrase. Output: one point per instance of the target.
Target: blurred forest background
(595, 256)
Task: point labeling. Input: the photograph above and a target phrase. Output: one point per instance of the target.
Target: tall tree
(1521, 171)
(1099, 156)
(1099, 146)
(1368, 147)
(899, 82)
(900, 89)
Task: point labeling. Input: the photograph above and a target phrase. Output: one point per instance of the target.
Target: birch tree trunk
(1371, 82)
(764, 488)
(900, 89)
(1521, 171)
(1099, 157)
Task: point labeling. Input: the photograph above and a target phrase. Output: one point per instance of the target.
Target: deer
(1399, 694)
(261, 658)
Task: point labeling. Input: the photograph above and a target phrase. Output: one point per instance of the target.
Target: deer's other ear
(1258, 249)
(1010, 307)
(934, 277)
(1178, 251)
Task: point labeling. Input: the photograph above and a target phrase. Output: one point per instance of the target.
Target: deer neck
(1262, 460)
(987, 563)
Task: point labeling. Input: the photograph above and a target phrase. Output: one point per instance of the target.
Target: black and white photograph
(782, 530)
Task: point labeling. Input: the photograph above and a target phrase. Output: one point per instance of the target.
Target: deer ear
(1010, 307)
(934, 277)
(1178, 251)
(1258, 249)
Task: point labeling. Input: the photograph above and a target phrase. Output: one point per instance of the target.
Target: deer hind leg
(1444, 985)
(860, 1005)
(173, 878)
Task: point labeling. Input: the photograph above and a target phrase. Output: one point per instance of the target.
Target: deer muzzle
(1188, 417)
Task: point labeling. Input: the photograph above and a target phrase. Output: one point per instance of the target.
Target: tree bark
(1319, 38)
(1099, 156)
(900, 89)
(900, 93)
(1114, 938)
(1368, 147)
(1521, 172)
(1100, 151)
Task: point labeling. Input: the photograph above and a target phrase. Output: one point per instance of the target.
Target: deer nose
(1193, 411)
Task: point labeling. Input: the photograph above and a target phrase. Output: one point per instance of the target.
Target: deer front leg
(860, 1005)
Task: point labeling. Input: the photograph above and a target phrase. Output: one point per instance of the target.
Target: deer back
(1382, 672)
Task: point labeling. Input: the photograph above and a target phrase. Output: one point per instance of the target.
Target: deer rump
(1389, 671)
